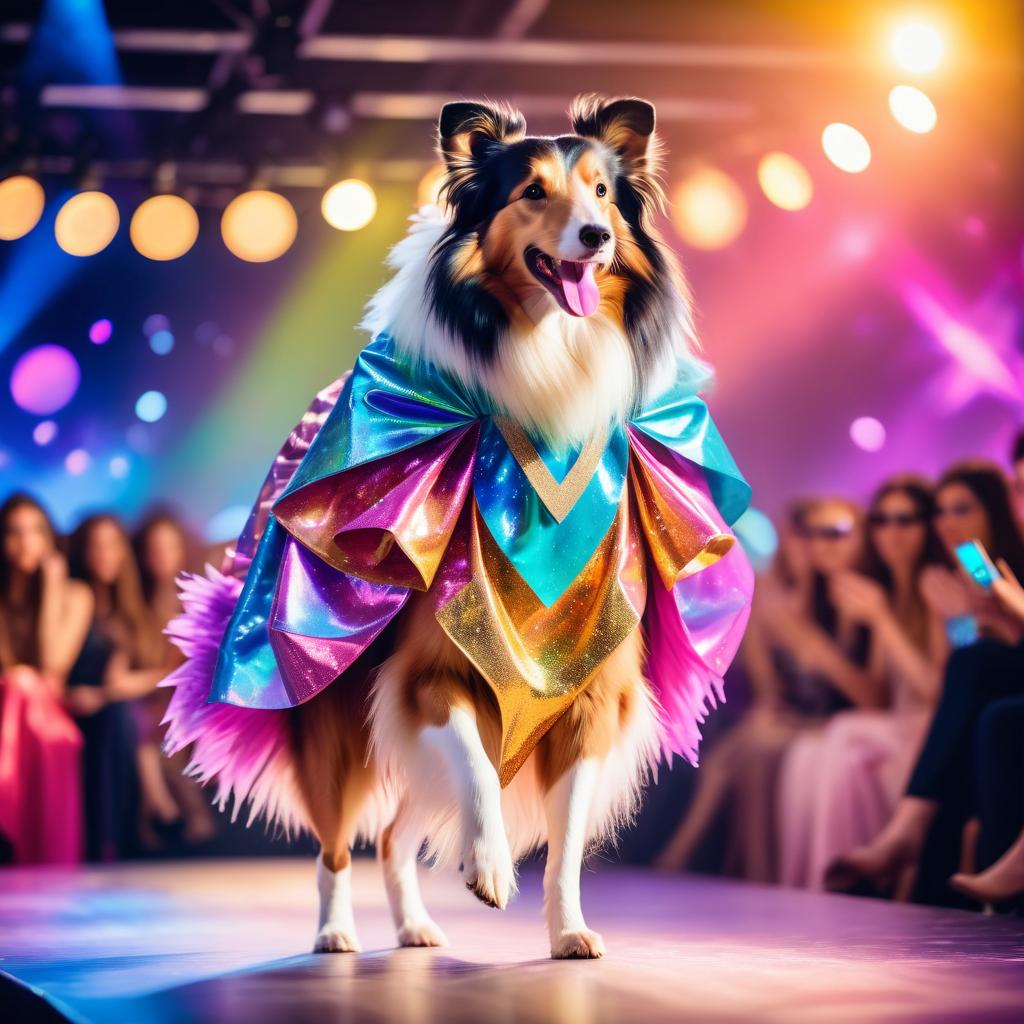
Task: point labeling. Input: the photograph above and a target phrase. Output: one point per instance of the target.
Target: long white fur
(566, 377)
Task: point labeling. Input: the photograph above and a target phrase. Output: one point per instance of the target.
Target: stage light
(846, 147)
(86, 223)
(45, 379)
(428, 192)
(912, 108)
(867, 433)
(161, 342)
(785, 181)
(21, 205)
(118, 467)
(759, 538)
(259, 226)
(164, 227)
(76, 462)
(917, 46)
(349, 205)
(45, 431)
(100, 332)
(150, 406)
(709, 210)
(155, 322)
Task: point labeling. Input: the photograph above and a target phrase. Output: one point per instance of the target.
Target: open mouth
(571, 282)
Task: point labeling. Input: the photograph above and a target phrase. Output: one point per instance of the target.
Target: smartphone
(974, 558)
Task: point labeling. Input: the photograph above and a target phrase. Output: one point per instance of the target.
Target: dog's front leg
(486, 858)
(567, 808)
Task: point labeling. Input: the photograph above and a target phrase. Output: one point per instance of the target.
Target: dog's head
(544, 225)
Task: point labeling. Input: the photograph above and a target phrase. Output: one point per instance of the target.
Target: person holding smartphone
(920, 848)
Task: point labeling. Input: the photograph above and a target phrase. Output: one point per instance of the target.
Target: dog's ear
(467, 131)
(625, 126)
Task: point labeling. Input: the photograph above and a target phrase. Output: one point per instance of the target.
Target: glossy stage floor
(226, 941)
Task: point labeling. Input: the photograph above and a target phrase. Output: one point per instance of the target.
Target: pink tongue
(579, 287)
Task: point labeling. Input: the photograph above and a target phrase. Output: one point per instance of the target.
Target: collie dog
(545, 289)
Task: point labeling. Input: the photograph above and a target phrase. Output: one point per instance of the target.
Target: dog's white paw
(336, 940)
(489, 872)
(581, 945)
(421, 933)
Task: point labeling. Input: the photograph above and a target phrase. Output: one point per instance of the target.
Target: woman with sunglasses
(920, 847)
(842, 781)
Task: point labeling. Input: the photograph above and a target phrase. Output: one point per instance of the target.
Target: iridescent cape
(538, 563)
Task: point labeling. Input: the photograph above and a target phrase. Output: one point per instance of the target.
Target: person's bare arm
(122, 682)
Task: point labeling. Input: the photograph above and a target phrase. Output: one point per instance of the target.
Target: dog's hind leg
(399, 849)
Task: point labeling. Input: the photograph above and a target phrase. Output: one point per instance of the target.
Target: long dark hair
(130, 623)
(988, 483)
(156, 518)
(933, 552)
(18, 640)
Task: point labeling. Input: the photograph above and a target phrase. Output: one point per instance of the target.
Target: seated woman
(806, 662)
(842, 781)
(162, 551)
(43, 621)
(1000, 783)
(105, 678)
(920, 847)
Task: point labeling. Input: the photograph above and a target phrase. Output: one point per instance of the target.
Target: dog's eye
(533, 191)
(602, 189)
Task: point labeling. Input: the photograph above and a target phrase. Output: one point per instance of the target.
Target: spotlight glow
(259, 226)
(45, 431)
(76, 462)
(846, 147)
(867, 433)
(349, 205)
(86, 223)
(161, 342)
(709, 210)
(21, 205)
(100, 332)
(912, 108)
(118, 467)
(917, 46)
(45, 379)
(164, 227)
(151, 406)
(785, 181)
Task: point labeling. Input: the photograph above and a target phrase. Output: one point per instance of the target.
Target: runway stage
(226, 941)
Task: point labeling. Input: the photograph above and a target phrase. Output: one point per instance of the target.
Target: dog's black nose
(593, 236)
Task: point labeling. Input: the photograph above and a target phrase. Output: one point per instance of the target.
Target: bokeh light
(917, 46)
(76, 462)
(867, 433)
(21, 205)
(45, 379)
(45, 431)
(164, 227)
(428, 192)
(259, 226)
(759, 538)
(846, 147)
(151, 406)
(161, 342)
(86, 223)
(100, 332)
(349, 205)
(154, 323)
(709, 210)
(912, 108)
(785, 181)
(227, 524)
(118, 467)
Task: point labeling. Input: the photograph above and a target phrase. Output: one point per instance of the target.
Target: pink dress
(839, 784)
(40, 775)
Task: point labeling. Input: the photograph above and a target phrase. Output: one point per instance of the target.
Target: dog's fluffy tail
(243, 751)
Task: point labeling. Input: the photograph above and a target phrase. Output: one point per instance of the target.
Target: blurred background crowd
(195, 204)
